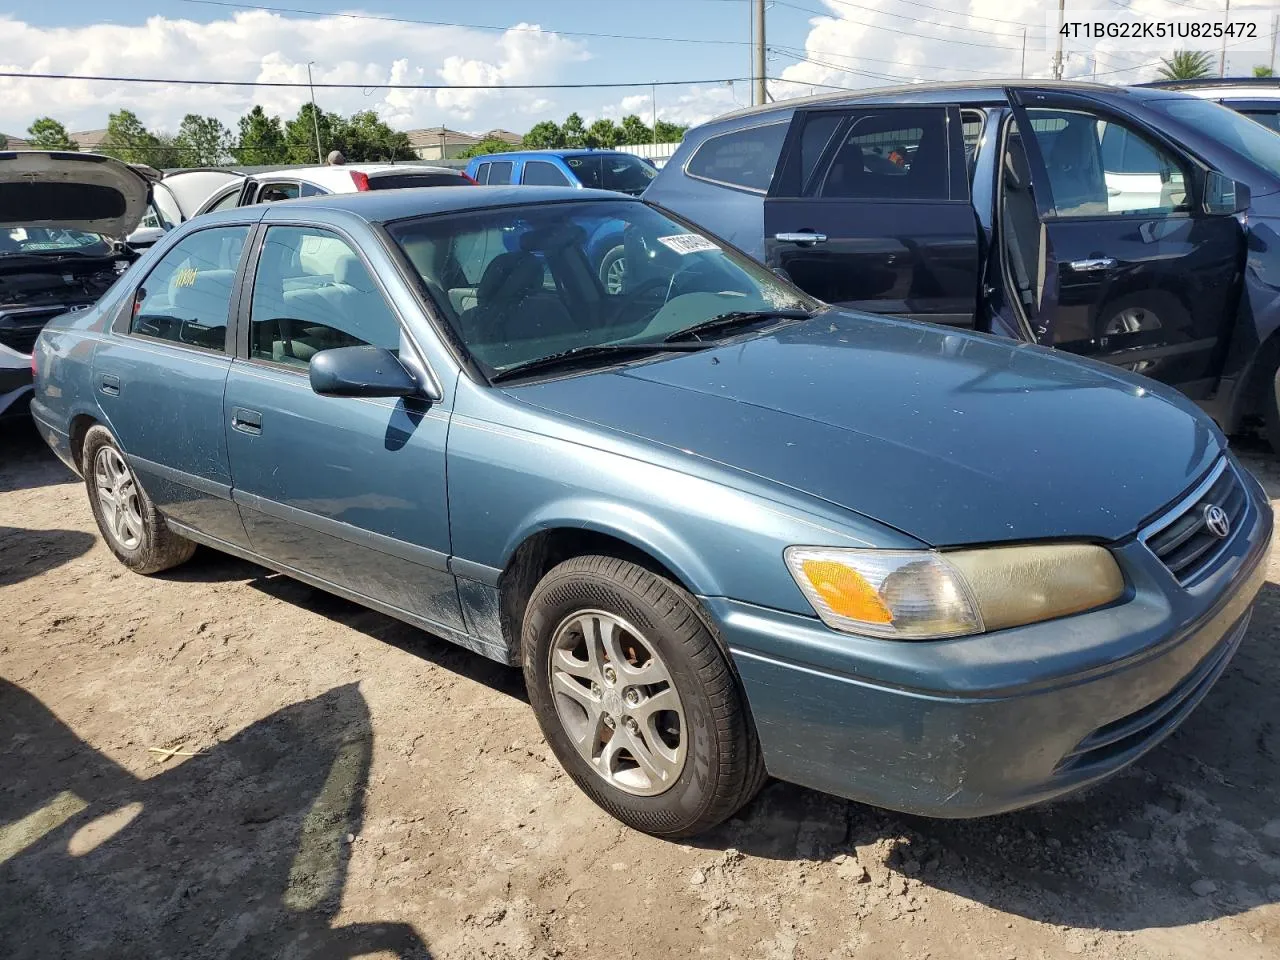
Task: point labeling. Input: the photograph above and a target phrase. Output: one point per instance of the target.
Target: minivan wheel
(636, 699)
(128, 520)
(613, 270)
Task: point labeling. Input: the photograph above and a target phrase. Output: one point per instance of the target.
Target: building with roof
(439, 143)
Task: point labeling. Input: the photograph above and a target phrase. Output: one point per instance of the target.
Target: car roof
(964, 92)
(383, 206)
(551, 152)
(340, 175)
(1216, 83)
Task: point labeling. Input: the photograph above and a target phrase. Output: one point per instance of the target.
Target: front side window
(518, 284)
(612, 171)
(742, 158)
(1098, 166)
(271, 192)
(312, 292)
(890, 154)
(187, 296)
(539, 173)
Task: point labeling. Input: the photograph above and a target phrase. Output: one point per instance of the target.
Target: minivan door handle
(246, 421)
(1094, 263)
(801, 236)
(110, 385)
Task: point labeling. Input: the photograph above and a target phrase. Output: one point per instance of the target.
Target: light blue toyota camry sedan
(728, 531)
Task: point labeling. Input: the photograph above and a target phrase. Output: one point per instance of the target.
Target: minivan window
(612, 171)
(539, 173)
(488, 269)
(186, 298)
(891, 154)
(741, 158)
(1251, 140)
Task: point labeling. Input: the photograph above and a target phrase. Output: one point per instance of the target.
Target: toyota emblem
(1217, 521)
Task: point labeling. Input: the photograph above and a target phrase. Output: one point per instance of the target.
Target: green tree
(635, 130)
(670, 132)
(4, 142)
(300, 135)
(129, 140)
(365, 137)
(48, 134)
(1263, 71)
(573, 130)
(546, 135)
(1187, 65)
(261, 139)
(201, 142)
(604, 133)
(485, 147)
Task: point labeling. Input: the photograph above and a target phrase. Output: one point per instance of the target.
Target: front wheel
(636, 699)
(128, 520)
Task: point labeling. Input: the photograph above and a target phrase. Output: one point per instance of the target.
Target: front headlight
(927, 595)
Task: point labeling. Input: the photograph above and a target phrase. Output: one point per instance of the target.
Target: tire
(129, 522)
(613, 270)
(710, 767)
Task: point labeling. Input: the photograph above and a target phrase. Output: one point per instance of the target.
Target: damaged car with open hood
(64, 217)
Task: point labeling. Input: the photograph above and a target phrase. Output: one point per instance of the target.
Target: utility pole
(1275, 26)
(1222, 57)
(315, 115)
(1023, 72)
(759, 96)
(1057, 56)
(653, 94)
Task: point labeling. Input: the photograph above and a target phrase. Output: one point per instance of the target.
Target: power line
(184, 81)
(446, 23)
(876, 26)
(796, 52)
(949, 26)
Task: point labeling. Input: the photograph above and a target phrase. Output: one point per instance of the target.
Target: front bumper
(15, 383)
(981, 725)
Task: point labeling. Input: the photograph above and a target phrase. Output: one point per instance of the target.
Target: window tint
(1268, 118)
(612, 171)
(890, 154)
(971, 130)
(187, 297)
(311, 190)
(1098, 167)
(482, 173)
(744, 158)
(228, 200)
(500, 172)
(271, 192)
(313, 293)
(396, 181)
(813, 141)
(542, 174)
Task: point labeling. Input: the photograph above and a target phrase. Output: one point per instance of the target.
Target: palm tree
(1187, 65)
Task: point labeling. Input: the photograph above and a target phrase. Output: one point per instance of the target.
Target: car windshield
(1253, 141)
(612, 171)
(519, 284)
(29, 240)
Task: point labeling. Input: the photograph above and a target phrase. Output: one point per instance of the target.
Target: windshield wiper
(568, 358)
(735, 318)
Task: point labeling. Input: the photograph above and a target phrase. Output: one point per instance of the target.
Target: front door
(1107, 243)
(160, 385)
(348, 490)
(870, 209)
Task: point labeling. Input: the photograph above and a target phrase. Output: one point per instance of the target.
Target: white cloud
(270, 47)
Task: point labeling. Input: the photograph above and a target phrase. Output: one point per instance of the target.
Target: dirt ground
(348, 786)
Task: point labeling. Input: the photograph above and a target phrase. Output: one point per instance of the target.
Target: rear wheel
(128, 520)
(636, 699)
(613, 270)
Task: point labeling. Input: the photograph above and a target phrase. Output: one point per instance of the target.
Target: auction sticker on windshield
(683, 243)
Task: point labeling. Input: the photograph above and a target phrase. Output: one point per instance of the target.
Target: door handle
(1095, 263)
(110, 385)
(246, 421)
(801, 236)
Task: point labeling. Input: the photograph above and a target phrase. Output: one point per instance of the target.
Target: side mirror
(360, 372)
(1224, 196)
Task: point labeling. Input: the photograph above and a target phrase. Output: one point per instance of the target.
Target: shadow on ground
(25, 461)
(29, 553)
(239, 852)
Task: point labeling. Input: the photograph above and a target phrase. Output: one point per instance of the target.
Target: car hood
(75, 191)
(953, 438)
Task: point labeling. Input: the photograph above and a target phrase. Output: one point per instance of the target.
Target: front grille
(19, 329)
(1143, 728)
(1182, 538)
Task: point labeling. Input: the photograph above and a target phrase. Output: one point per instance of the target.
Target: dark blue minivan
(1132, 225)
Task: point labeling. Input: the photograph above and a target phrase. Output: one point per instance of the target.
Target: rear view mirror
(360, 372)
(1224, 196)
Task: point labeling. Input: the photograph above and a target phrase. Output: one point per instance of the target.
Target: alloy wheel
(118, 497)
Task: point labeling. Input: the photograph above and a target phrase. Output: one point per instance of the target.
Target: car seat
(508, 282)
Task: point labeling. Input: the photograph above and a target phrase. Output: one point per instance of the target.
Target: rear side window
(741, 158)
(539, 173)
(187, 297)
(311, 190)
(890, 154)
(271, 192)
(482, 173)
(228, 200)
(312, 293)
(499, 172)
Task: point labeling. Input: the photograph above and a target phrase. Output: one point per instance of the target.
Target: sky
(491, 43)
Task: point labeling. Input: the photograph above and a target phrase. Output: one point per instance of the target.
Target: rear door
(870, 209)
(1127, 266)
